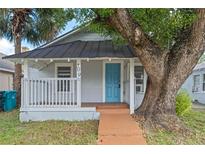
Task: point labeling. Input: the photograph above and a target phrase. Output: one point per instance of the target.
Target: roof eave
(7, 70)
(72, 58)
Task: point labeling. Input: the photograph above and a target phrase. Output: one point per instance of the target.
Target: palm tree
(34, 26)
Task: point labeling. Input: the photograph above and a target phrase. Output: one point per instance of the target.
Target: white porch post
(25, 85)
(78, 72)
(132, 91)
(25, 69)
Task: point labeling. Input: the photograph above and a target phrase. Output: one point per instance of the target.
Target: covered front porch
(80, 88)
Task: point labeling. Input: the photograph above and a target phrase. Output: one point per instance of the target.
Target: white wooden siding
(83, 36)
(91, 80)
(6, 81)
(188, 85)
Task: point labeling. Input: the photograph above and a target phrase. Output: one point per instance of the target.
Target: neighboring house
(6, 74)
(76, 69)
(195, 83)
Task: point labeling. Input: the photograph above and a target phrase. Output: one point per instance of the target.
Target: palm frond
(40, 25)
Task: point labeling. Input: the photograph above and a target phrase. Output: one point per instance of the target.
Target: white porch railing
(49, 93)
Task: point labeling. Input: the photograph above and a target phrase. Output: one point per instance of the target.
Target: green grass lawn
(62, 132)
(48, 132)
(195, 120)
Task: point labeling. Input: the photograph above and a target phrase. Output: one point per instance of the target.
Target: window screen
(64, 72)
(203, 82)
(196, 85)
(139, 78)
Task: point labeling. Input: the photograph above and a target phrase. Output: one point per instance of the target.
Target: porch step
(114, 111)
(113, 106)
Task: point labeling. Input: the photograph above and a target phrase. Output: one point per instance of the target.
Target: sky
(7, 47)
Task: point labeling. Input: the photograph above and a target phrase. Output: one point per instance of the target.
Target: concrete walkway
(118, 127)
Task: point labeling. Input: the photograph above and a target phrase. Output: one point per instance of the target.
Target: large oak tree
(168, 42)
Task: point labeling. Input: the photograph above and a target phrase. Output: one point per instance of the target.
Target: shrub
(183, 103)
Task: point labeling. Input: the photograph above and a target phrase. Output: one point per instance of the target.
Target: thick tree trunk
(158, 106)
(18, 72)
(159, 99)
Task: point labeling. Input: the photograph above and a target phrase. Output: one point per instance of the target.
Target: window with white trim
(196, 84)
(203, 83)
(63, 72)
(139, 79)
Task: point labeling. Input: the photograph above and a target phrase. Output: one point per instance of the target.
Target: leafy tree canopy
(162, 25)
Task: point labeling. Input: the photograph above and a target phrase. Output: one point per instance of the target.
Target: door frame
(121, 62)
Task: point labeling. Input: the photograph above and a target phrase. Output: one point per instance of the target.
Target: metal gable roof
(79, 49)
(6, 65)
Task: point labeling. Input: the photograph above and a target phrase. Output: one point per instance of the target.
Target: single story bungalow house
(66, 78)
(6, 73)
(195, 83)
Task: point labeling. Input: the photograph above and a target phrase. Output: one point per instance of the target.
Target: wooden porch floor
(106, 105)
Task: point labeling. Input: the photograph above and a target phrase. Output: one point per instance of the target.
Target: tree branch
(121, 21)
(191, 37)
(145, 49)
(190, 46)
(131, 30)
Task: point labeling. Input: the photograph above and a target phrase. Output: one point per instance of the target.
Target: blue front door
(112, 82)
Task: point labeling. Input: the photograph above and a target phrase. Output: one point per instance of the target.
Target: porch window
(203, 82)
(64, 72)
(196, 85)
(139, 78)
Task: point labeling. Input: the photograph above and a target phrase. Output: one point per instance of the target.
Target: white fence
(49, 92)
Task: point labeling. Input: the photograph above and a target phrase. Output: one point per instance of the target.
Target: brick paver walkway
(118, 127)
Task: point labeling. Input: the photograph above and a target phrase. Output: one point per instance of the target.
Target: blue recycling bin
(1, 101)
(8, 100)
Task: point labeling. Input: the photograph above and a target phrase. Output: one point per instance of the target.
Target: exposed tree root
(162, 122)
